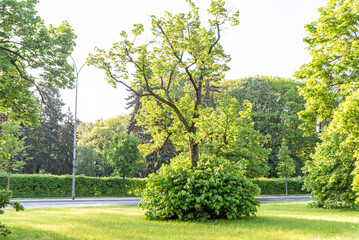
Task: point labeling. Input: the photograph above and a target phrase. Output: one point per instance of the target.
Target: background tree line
(275, 106)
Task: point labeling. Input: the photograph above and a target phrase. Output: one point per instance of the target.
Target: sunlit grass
(273, 221)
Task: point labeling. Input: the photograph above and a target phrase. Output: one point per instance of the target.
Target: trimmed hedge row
(276, 186)
(39, 185)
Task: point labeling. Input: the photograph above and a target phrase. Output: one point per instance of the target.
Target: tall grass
(273, 221)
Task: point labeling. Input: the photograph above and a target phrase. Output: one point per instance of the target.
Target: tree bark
(194, 153)
(91, 163)
(8, 178)
(123, 185)
(286, 186)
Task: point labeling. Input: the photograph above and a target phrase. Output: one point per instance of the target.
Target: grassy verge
(273, 221)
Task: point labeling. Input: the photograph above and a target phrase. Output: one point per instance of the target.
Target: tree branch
(217, 40)
(178, 58)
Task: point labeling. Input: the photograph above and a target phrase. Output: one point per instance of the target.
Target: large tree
(31, 55)
(332, 81)
(183, 54)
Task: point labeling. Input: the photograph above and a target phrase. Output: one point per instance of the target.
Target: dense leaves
(331, 174)
(94, 140)
(11, 145)
(46, 185)
(124, 156)
(50, 145)
(331, 94)
(227, 131)
(216, 188)
(275, 105)
(31, 55)
(160, 156)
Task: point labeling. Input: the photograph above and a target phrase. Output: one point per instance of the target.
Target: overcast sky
(268, 40)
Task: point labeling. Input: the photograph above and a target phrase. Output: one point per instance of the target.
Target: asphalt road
(94, 202)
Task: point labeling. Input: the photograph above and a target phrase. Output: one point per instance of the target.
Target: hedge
(43, 185)
(276, 186)
(40, 185)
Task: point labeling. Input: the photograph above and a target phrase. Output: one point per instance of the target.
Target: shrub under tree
(216, 188)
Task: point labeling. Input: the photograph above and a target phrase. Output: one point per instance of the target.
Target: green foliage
(216, 188)
(124, 156)
(183, 56)
(332, 74)
(286, 167)
(11, 146)
(43, 185)
(31, 55)
(332, 177)
(227, 131)
(94, 140)
(275, 106)
(331, 94)
(50, 145)
(5, 195)
(276, 186)
(356, 182)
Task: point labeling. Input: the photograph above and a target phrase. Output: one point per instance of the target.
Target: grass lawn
(273, 221)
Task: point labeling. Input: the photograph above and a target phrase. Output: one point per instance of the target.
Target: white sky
(268, 40)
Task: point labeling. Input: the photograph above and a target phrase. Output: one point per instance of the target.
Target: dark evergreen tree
(50, 145)
(154, 160)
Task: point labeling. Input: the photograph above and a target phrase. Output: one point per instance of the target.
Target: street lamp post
(77, 71)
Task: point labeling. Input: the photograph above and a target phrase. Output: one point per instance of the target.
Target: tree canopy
(31, 55)
(11, 145)
(50, 145)
(276, 103)
(331, 94)
(332, 74)
(94, 140)
(124, 156)
(183, 54)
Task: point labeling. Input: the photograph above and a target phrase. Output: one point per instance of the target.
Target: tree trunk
(123, 186)
(8, 178)
(194, 153)
(286, 186)
(91, 164)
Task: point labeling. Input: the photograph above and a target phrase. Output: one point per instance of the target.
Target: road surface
(95, 202)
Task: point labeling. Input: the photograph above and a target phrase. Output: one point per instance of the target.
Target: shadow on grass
(19, 233)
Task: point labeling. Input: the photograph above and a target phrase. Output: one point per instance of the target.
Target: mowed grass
(273, 221)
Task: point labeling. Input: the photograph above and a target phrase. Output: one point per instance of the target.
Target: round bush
(216, 188)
